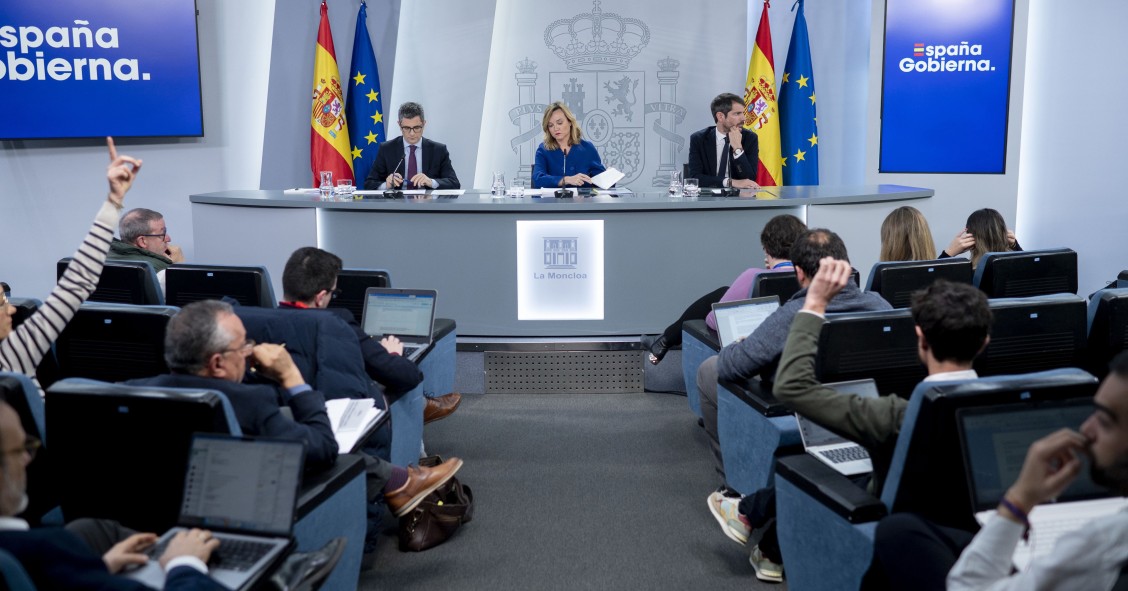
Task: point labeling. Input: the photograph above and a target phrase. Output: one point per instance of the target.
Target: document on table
(301, 192)
(352, 419)
(607, 178)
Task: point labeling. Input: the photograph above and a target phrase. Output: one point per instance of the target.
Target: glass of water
(344, 188)
(498, 185)
(326, 186)
(517, 189)
(675, 182)
(692, 189)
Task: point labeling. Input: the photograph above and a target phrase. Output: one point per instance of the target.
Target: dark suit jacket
(397, 374)
(258, 409)
(435, 160)
(55, 558)
(703, 157)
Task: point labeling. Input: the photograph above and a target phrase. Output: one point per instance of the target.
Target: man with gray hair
(206, 347)
(422, 163)
(144, 237)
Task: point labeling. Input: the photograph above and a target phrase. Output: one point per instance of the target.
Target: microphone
(392, 192)
(396, 169)
(564, 183)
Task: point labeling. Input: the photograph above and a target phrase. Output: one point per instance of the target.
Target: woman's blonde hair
(576, 135)
(905, 236)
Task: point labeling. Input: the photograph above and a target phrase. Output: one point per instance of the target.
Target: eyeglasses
(336, 293)
(3, 301)
(412, 129)
(30, 446)
(161, 235)
(244, 349)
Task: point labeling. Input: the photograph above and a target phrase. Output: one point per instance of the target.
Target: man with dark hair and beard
(1089, 558)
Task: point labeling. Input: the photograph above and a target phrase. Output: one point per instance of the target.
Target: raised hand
(120, 173)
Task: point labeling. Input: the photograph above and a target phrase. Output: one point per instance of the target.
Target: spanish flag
(329, 133)
(761, 111)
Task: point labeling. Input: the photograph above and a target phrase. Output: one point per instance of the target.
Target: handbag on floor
(438, 516)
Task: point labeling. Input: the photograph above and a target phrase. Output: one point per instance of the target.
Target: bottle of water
(498, 184)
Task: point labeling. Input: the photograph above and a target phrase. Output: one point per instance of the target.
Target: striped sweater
(24, 348)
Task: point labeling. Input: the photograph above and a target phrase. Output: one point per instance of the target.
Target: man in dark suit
(55, 558)
(423, 163)
(309, 281)
(725, 154)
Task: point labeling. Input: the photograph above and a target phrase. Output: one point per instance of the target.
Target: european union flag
(799, 134)
(364, 108)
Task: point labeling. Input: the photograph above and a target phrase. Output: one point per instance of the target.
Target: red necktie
(411, 169)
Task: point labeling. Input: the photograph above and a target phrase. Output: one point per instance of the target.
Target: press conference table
(660, 252)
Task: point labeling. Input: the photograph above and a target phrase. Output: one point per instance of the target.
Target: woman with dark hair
(905, 236)
(986, 231)
(776, 238)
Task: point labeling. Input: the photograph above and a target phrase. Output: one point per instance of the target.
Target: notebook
(841, 454)
(739, 318)
(243, 490)
(353, 420)
(995, 440)
(409, 314)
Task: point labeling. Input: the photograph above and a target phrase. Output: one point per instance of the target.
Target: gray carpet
(575, 491)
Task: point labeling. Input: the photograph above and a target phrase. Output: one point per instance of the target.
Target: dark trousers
(911, 552)
(698, 310)
(760, 509)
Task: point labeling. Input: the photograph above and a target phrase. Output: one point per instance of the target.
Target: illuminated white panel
(560, 270)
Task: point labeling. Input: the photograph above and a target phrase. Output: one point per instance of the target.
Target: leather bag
(437, 517)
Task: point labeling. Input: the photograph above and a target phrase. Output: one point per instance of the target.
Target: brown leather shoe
(440, 407)
(420, 483)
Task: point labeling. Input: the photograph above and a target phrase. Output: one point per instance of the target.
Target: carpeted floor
(575, 491)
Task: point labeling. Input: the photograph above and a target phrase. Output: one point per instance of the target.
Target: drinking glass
(344, 188)
(498, 186)
(326, 186)
(517, 189)
(675, 183)
(692, 189)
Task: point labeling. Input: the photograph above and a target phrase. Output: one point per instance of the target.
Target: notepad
(352, 419)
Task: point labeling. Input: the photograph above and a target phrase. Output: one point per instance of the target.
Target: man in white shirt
(1090, 558)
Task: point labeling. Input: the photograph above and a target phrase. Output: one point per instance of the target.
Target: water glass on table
(498, 185)
(675, 183)
(326, 185)
(517, 189)
(692, 189)
(345, 188)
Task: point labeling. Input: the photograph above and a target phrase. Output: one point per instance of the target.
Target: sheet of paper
(352, 419)
(302, 191)
(607, 178)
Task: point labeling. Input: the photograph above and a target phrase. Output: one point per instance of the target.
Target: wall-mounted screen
(91, 68)
(946, 86)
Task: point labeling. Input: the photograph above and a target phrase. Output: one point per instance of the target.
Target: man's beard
(1114, 476)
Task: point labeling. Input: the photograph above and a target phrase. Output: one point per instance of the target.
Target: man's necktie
(412, 170)
(723, 160)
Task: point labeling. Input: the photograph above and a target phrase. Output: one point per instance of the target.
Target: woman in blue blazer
(564, 159)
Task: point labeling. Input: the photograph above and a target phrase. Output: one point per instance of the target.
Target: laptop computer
(245, 491)
(738, 318)
(845, 456)
(409, 314)
(995, 440)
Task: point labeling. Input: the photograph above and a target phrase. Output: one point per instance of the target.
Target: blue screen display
(946, 85)
(91, 68)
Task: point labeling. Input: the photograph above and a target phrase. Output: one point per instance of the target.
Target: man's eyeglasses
(336, 293)
(30, 445)
(3, 301)
(161, 235)
(412, 129)
(244, 349)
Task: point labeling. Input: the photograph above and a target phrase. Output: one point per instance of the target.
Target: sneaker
(766, 570)
(725, 509)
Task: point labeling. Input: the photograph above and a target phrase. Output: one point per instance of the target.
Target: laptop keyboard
(845, 454)
(232, 554)
(409, 351)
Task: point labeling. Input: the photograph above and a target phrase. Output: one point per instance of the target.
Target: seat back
(927, 474)
(352, 283)
(124, 282)
(881, 345)
(1108, 329)
(21, 393)
(323, 347)
(250, 286)
(1034, 334)
(782, 284)
(120, 452)
(897, 280)
(12, 574)
(25, 307)
(1122, 279)
(1028, 273)
(48, 371)
(114, 342)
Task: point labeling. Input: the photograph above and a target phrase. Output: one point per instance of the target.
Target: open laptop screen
(813, 434)
(740, 318)
(407, 314)
(242, 485)
(995, 440)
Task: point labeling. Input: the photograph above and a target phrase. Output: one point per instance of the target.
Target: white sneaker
(766, 570)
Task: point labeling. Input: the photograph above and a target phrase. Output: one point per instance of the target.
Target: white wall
(53, 188)
(1073, 137)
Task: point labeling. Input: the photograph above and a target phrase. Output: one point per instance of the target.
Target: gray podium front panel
(660, 254)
